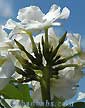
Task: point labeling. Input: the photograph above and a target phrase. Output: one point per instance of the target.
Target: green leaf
(33, 60)
(26, 73)
(25, 91)
(60, 61)
(20, 92)
(20, 71)
(53, 61)
(39, 57)
(45, 50)
(21, 47)
(61, 67)
(62, 39)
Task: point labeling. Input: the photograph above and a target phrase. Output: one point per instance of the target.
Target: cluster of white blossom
(32, 19)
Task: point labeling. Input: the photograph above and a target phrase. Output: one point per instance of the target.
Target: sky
(74, 24)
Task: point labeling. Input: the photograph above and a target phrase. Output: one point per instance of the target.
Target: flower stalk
(45, 86)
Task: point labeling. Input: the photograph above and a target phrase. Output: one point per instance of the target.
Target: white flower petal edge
(81, 95)
(53, 13)
(30, 13)
(11, 24)
(74, 40)
(65, 13)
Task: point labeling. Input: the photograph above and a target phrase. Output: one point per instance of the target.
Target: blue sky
(75, 23)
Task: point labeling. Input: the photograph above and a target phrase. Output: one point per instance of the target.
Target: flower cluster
(46, 60)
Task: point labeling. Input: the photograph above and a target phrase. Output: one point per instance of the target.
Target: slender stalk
(46, 35)
(32, 41)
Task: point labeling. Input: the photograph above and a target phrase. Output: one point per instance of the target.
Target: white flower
(23, 39)
(5, 43)
(6, 64)
(52, 38)
(81, 95)
(71, 45)
(6, 71)
(74, 39)
(71, 73)
(32, 18)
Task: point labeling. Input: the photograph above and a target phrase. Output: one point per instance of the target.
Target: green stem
(32, 41)
(46, 35)
(45, 87)
(45, 81)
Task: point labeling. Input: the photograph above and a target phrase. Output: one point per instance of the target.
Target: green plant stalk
(46, 35)
(45, 87)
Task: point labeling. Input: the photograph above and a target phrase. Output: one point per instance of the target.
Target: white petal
(74, 39)
(62, 88)
(65, 13)
(52, 38)
(64, 49)
(73, 74)
(34, 25)
(56, 24)
(7, 69)
(23, 38)
(53, 13)
(30, 13)
(12, 24)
